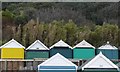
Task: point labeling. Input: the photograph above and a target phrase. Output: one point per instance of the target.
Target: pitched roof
(84, 44)
(107, 46)
(118, 64)
(12, 44)
(37, 45)
(57, 60)
(61, 44)
(99, 62)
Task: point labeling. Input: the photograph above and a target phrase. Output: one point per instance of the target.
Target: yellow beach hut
(12, 50)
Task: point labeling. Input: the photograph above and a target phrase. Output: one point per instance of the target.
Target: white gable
(100, 61)
(12, 44)
(107, 46)
(60, 44)
(57, 60)
(37, 45)
(84, 44)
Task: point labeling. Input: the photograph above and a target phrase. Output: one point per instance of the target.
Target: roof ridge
(35, 42)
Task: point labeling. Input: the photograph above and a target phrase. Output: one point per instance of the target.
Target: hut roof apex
(100, 61)
(107, 46)
(84, 44)
(12, 44)
(61, 43)
(57, 60)
(37, 45)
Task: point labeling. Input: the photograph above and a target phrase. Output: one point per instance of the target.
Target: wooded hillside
(50, 22)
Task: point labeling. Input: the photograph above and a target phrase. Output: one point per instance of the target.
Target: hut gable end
(100, 61)
(37, 45)
(84, 44)
(61, 44)
(57, 60)
(12, 44)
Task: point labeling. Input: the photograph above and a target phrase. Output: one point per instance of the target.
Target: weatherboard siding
(65, 51)
(12, 53)
(57, 67)
(57, 71)
(98, 71)
(111, 54)
(83, 53)
(37, 54)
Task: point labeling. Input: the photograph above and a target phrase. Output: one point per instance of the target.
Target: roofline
(62, 57)
(105, 58)
(84, 47)
(106, 48)
(36, 42)
(81, 46)
(114, 47)
(59, 46)
(10, 42)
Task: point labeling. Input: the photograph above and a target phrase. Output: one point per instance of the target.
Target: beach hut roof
(12, 44)
(57, 60)
(118, 64)
(84, 44)
(99, 62)
(37, 45)
(107, 46)
(61, 44)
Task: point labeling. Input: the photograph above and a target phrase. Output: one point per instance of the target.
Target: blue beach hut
(109, 51)
(57, 63)
(62, 48)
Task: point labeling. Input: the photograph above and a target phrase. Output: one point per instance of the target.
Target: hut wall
(65, 51)
(12, 53)
(111, 54)
(83, 53)
(37, 54)
(57, 69)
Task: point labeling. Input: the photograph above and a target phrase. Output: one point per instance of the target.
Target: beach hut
(99, 63)
(118, 64)
(83, 50)
(57, 63)
(12, 50)
(109, 51)
(37, 50)
(62, 48)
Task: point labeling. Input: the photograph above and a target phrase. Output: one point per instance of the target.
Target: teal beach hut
(37, 50)
(109, 51)
(57, 63)
(83, 50)
(62, 48)
(99, 63)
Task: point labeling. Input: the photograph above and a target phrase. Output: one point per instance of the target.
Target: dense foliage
(69, 32)
(80, 13)
(72, 22)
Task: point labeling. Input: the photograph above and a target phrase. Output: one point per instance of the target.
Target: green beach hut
(99, 63)
(83, 50)
(57, 63)
(62, 48)
(37, 50)
(109, 51)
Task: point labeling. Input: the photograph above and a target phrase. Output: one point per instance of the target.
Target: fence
(7, 65)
